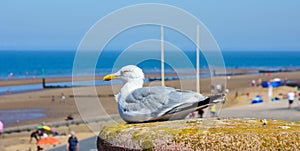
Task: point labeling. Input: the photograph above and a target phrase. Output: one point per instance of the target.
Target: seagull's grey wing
(154, 102)
(188, 100)
(147, 99)
(182, 103)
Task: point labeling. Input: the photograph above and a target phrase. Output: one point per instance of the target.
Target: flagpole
(162, 56)
(198, 59)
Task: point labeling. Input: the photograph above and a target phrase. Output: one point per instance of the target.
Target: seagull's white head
(126, 74)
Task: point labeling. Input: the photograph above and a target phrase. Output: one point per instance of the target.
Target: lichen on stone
(217, 134)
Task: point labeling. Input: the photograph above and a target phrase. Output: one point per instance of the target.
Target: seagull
(137, 104)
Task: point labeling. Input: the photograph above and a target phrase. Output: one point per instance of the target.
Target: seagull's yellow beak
(109, 77)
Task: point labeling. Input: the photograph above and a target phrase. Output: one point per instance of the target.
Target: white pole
(162, 56)
(198, 60)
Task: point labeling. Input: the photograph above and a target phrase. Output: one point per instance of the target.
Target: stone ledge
(202, 134)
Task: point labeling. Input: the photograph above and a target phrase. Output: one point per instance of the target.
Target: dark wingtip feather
(215, 97)
(210, 99)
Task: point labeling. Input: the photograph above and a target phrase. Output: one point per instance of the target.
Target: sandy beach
(57, 110)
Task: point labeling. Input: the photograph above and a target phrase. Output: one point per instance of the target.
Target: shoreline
(5, 81)
(23, 85)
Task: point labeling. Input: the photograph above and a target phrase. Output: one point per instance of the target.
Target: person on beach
(36, 134)
(62, 97)
(213, 110)
(259, 82)
(291, 97)
(236, 94)
(212, 89)
(73, 144)
(69, 117)
(285, 81)
(299, 100)
(200, 113)
(253, 83)
(192, 115)
(1, 127)
(219, 88)
(52, 98)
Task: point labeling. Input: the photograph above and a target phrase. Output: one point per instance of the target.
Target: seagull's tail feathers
(180, 112)
(195, 106)
(212, 99)
(217, 98)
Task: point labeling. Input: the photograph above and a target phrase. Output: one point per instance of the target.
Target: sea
(37, 64)
(33, 64)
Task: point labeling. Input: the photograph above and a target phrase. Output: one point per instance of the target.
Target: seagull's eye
(125, 71)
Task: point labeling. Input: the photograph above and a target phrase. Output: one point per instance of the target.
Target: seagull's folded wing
(154, 102)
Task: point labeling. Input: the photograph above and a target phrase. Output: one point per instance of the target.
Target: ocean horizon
(34, 64)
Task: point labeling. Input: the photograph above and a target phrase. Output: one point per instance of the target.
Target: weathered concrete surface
(202, 134)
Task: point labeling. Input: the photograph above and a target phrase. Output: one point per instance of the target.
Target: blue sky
(235, 24)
